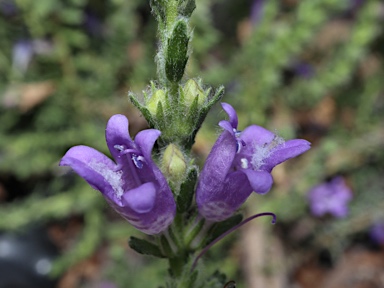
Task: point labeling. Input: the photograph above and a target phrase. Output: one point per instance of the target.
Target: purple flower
(355, 4)
(92, 23)
(377, 232)
(133, 185)
(257, 11)
(331, 197)
(239, 163)
(303, 70)
(22, 55)
(8, 7)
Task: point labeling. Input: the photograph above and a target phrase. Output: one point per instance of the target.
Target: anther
(238, 147)
(119, 147)
(239, 143)
(244, 163)
(138, 160)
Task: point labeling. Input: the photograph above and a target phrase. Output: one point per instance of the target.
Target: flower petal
(217, 165)
(140, 199)
(96, 168)
(256, 135)
(226, 126)
(285, 151)
(260, 181)
(223, 203)
(231, 113)
(117, 133)
(145, 140)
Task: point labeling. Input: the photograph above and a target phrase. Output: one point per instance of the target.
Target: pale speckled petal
(286, 151)
(96, 168)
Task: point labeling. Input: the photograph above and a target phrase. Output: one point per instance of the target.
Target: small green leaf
(176, 54)
(160, 117)
(147, 115)
(144, 247)
(158, 9)
(193, 113)
(165, 246)
(186, 7)
(187, 190)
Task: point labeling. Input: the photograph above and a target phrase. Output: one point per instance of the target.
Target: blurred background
(309, 69)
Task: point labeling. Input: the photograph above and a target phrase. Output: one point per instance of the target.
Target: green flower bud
(174, 164)
(158, 96)
(191, 91)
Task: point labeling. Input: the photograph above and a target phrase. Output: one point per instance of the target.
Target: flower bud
(191, 90)
(158, 96)
(174, 164)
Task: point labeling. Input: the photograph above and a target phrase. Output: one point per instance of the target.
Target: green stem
(177, 264)
(193, 232)
(171, 13)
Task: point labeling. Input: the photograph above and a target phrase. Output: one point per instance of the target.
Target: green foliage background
(338, 105)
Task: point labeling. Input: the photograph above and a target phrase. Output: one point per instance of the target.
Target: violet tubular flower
(133, 185)
(257, 11)
(239, 163)
(332, 198)
(22, 55)
(376, 233)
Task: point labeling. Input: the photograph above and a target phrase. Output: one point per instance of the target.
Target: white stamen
(244, 163)
(141, 158)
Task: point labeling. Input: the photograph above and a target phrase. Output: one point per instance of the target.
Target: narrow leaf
(187, 190)
(144, 247)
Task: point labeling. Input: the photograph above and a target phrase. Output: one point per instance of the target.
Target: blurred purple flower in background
(332, 197)
(377, 233)
(107, 284)
(25, 49)
(134, 186)
(8, 7)
(353, 8)
(355, 4)
(303, 70)
(239, 163)
(92, 24)
(257, 11)
(22, 55)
